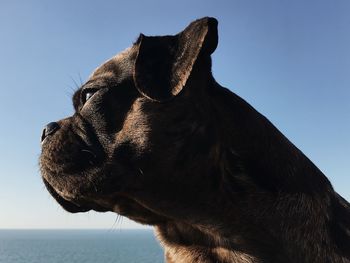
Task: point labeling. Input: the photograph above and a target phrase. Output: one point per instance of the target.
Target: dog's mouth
(118, 203)
(68, 205)
(74, 203)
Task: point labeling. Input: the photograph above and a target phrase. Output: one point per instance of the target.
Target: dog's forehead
(116, 69)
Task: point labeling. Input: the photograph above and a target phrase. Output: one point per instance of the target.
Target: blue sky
(289, 59)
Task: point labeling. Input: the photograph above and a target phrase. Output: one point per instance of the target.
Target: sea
(79, 246)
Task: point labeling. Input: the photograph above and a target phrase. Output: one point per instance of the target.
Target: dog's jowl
(156, 139)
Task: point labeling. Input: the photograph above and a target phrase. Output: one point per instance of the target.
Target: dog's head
(139, 130)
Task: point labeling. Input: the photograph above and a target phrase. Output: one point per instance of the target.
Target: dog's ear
(164, 63)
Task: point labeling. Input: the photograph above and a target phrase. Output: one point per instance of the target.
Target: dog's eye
(86, 95)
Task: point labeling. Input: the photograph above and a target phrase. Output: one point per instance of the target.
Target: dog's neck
(263, 228)
(196, 243)
(275, 214)
(186, 243)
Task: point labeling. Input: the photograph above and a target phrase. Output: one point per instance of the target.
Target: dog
(156, 139)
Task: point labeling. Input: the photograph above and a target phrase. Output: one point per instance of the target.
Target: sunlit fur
(177, 151)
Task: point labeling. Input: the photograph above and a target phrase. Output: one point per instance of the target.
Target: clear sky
(289, 59)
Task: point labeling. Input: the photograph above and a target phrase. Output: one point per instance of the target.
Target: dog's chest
(193, 254)
(187, 244)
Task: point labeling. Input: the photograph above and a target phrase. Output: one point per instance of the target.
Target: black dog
(156, 139)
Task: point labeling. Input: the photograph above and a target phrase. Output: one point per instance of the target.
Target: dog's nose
(49, 129)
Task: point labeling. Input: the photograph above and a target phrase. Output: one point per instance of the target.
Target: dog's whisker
(114, 224)
(140, 171)
(94, 185)
(77, 86)
(80, 79)
(90, 152)
(121, 221)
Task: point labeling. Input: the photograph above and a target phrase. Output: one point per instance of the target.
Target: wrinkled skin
(156, 139)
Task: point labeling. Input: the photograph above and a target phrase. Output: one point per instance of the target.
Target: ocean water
(79, 246)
